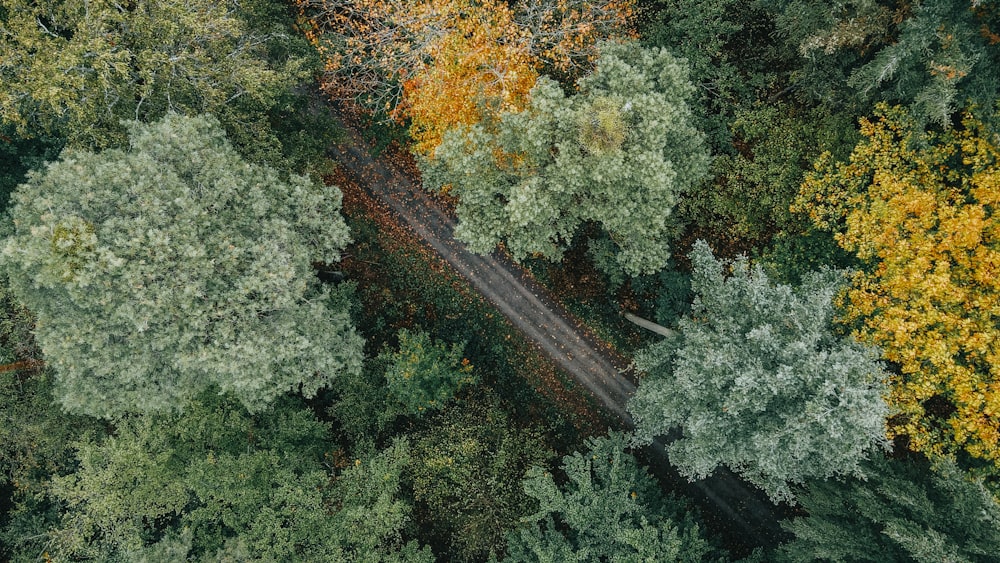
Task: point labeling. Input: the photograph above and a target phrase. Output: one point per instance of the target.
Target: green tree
(218, 483)
(420, 377)
(752, 190)
(933, 56)
(733, 51)
(464, 477)
(619, 153)
(36, 437)
(160, 270)
(903, 511)
(607, 509)
(423, 374)
(76, 68)
(758, 381)
(19, 155)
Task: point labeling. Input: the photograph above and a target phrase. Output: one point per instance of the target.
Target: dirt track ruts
(529, 308)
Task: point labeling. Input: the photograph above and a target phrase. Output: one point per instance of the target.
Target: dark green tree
(419, 377)
(464, 473)
(160, 270)
(733, 52)
(935, 56)
(903, 511)
(217, 483)
(752, 190)
(607, 509)
(36, 437)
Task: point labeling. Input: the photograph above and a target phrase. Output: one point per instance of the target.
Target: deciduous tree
(618, 153)
(450, 62)
(418, 378)
(757, 380)
(920, 211)
(218, 483)
(465, 477)
(76, 68)
(160, 270)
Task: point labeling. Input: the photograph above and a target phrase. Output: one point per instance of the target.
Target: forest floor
(559, 335)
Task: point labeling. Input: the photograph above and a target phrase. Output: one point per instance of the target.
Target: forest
(222, 339)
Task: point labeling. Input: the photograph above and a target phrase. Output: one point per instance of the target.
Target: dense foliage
(77, 68)
(758, 381)
(158, 274)
(904, 511)
(920, 211)
(462, 470)
(607, 509)
(934, 56)
(446, 63)
(619, 153)
(218, 483)
(160, 270)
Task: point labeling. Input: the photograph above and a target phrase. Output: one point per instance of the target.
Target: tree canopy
(935, 57)
(174, 265)
(607, 509)
(757, 380)
(453, 62)
(618, 153)
(920, 211)
(903, 511)
(218, 483)
(77, 68)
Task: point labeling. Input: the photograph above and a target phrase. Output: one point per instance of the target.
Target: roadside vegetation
(216, 344)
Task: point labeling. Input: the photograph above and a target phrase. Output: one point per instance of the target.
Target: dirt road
(522, 300)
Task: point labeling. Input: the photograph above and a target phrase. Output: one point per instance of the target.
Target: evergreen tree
(607, 509)
(758, 381)
(935, 56)
(619, 153)
(903, 511)
(160, 270)
(216, 483)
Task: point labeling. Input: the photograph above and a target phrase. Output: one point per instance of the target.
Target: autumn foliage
(924, 216)
(442, 63)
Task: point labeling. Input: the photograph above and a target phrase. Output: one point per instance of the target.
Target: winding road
(749, 517)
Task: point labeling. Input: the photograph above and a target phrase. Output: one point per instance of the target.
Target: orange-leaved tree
(472, 70)
(441, 63)
(923, 213)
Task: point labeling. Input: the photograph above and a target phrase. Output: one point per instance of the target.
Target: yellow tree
(473, 69)
(923, 213)
(447, 62)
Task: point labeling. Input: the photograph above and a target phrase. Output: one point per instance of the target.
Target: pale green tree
(174, 265)
(608, 509)
(76, 68)
(618, 153)
(758, 380)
